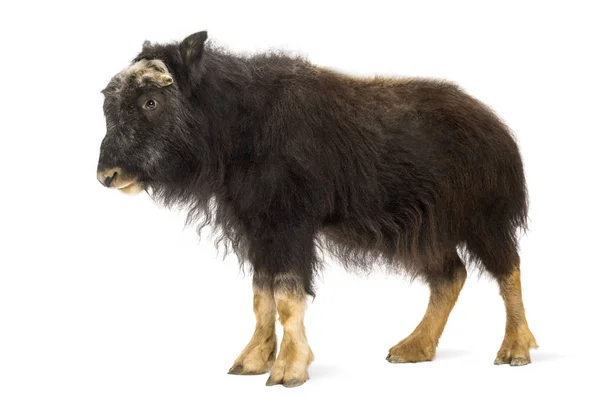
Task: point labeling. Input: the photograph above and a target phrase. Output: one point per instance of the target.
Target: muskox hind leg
(295, 355)
(445, 283)
(500, 258)
(259, 354)
(518, 339)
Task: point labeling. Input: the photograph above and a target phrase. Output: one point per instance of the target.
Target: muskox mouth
(131, 188)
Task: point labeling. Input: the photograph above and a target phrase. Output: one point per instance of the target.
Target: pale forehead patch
(154, 71)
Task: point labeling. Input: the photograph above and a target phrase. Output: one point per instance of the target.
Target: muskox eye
(150, 104)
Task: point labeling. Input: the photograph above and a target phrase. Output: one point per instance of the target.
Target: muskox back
(402, 171)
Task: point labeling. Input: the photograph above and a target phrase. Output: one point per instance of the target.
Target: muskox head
(150, 118)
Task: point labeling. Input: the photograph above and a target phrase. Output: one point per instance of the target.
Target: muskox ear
(191, 50)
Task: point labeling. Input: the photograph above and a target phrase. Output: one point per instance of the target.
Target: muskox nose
(107, 176)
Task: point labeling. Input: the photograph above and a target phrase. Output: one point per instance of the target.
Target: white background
(106, 301)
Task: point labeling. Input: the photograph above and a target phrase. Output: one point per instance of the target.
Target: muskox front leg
(295, 355)
(259, 354)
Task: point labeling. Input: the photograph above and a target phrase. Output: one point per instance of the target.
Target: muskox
(285, 159)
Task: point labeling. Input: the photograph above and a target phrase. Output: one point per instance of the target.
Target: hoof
(256, 360)
(288, 384)
(236, 369)
(515, 348)
(293, 383)
(520, 361)
(273, 381)
(516, 353)
(290, 373)
(239, 369)
(513, 361)
(412, 350)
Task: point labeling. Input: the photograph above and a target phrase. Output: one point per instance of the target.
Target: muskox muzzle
(116, 177)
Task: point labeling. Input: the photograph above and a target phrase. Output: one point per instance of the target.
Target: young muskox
(283, 157)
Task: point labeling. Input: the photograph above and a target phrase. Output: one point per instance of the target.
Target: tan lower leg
(291, 366)
(420, 345)
(259, 354)
(518, 339)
